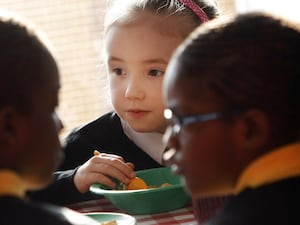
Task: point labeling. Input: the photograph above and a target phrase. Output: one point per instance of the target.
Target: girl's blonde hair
(126, 12)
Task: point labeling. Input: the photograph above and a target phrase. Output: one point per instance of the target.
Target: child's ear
(8, 126)
(256, 129)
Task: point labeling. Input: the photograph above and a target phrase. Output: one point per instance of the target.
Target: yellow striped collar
(11, 184)
(283, 162)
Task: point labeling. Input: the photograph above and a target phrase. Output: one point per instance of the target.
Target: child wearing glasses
(29, 144)
(232, 90)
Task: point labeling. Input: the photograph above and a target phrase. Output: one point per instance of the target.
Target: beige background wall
(75, 29)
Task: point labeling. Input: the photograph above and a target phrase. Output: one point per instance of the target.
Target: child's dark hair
(250, 62)
(24, 63)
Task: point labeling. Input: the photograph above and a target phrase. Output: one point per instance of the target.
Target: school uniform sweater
(16, 210)
(268, 191)
(106, 134)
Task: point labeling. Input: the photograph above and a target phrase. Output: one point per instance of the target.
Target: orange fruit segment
(136, 183)
(96, 153)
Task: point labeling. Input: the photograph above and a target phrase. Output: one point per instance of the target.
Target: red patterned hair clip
(196, 9)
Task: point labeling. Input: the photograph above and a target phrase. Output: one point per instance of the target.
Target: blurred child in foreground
(29, 145)
(232, 91)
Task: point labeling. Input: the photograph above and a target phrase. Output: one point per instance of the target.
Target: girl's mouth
(137, 113)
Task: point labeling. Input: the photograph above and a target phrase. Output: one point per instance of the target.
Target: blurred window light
(287, 8)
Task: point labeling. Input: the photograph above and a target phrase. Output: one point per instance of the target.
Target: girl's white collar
(151, 142)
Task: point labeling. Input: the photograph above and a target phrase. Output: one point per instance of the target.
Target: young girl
(140, 37)
(235, 124)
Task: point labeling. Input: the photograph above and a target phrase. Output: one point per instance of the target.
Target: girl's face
(205, 151)
(136, 59)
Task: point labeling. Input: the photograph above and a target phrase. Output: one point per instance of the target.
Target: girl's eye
(156, 73)
(118, 71)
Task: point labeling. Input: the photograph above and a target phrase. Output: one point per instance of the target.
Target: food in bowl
(135, 184)
(148, 201)
(112, 218)
(138, 183)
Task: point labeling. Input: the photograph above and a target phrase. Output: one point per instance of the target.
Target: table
(183, 216)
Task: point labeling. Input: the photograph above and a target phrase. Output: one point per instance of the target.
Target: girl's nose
(134, 89)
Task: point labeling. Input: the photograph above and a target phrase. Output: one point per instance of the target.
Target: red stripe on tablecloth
(169, 218)
(177, 217)
(102, 205)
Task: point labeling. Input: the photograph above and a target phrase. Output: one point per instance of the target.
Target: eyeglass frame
(181, 121)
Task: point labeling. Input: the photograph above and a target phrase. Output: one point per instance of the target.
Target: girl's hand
(100, 169)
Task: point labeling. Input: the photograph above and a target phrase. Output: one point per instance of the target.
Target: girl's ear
(256, 130)
(8, 127)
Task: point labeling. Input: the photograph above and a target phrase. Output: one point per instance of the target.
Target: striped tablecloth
(183, 216)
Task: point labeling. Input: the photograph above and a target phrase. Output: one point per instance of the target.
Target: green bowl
(148, 201)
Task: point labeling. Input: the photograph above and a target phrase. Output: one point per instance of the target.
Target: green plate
(120, 218)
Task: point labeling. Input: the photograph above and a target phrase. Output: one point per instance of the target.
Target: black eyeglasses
(178, 122)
